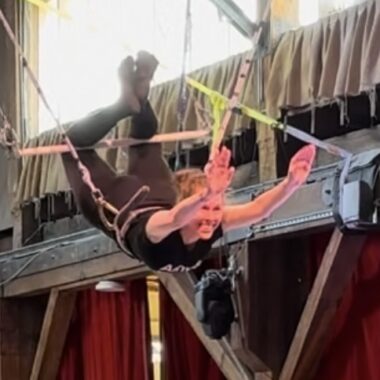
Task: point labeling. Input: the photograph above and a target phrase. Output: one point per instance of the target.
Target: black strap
(120, 229)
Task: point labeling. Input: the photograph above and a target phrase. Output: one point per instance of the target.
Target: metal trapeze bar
(119, 143)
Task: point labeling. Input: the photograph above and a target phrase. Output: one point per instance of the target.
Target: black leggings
(146, 166)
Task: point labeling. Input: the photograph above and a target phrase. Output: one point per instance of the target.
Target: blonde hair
(188, 182)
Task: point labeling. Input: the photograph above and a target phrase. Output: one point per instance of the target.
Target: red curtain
(109, 336)
(184, 356)
(354, 346)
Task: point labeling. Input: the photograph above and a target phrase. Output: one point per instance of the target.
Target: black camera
(355, 202)
(213, 301)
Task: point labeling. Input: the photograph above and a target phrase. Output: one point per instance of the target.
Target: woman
(177, 226)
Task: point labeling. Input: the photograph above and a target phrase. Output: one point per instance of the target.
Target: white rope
(183, 96)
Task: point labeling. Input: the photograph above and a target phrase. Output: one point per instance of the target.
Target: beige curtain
(309, 67)
(321, 64)
(336, 57)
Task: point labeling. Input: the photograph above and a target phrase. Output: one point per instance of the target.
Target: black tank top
(171, 254)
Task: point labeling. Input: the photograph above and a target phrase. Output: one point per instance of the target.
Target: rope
(96, 193)
(8, 137)
(183, 95)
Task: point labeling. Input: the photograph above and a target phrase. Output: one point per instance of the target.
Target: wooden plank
(44, 336)
(113, 266)
(53, 334)
(241, 332)
(277, 294)
(244, 284)
(335, 272)
(67, 250)
(180, 287)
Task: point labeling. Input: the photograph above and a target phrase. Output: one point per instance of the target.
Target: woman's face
(207, 219)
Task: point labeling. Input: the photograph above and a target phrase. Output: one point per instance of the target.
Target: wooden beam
(335, 272)
(241, 332)
(180, 287)
(69, 262)
(241, 335)
(111, 266)
(272, 291)
(53, 334)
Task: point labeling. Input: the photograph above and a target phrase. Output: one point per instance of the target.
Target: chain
(8, 136)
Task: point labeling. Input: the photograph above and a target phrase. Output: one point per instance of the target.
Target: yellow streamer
(218, 107)
(250, 112)
(47, 7)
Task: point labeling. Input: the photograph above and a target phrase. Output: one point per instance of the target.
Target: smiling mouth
(206, 226)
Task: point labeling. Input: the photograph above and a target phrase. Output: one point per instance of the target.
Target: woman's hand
(219, 173)
(300, 165)
(246, 214)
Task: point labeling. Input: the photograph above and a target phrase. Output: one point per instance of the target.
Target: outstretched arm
(162, 223)
(263, 206)
(218, 175)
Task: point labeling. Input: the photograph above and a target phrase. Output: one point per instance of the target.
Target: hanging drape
(109, 336)
(184, 356)
(335, 57)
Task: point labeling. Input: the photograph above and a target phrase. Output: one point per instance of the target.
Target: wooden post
(53, 334)
(338, 264)
(241, 332)
(9, 102)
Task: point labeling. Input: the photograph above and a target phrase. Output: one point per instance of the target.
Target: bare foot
(127, 80)
(146, 65)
